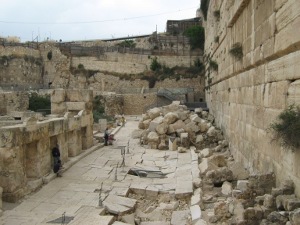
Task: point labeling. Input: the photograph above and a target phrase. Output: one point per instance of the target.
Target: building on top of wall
(179, 26)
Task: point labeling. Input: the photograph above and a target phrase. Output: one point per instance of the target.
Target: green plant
(155, 65)
(237, 50)
(204, 8)
(287, 129)
(213, 65)
(37, 102)
(127, 44)
(216, 39)
(196, 36)
(98, 108)
(217, 14)
(49, 55)
(80, 66)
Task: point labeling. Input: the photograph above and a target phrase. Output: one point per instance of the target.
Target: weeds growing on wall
(4, 60)
(81, 70)
(287, 128)
(216, 39)
(155, 65)
(196, 36)
(213, 65)
(237, 50)
(204, 7)
(98, 109)
(127, 44)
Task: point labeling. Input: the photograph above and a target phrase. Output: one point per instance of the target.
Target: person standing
(106, 135)
(56, 160)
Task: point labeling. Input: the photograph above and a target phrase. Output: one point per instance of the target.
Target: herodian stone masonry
(25, 149)
(247, 94)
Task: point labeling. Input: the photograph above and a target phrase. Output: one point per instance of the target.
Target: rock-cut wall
(247, 94)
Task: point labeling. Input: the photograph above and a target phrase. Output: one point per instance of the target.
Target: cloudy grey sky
(89, 19)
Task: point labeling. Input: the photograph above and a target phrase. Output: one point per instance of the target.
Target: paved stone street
(76, 194)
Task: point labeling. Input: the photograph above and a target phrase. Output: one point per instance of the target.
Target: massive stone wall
(247, 95)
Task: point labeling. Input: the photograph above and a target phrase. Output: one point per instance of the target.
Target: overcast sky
(89, 19)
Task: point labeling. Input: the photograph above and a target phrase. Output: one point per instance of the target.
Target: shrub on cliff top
(196, 36)
(287, 129)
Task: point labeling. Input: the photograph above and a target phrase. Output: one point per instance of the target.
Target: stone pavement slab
(118, 205)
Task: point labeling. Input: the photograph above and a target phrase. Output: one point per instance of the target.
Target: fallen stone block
(281, 201)
(170, 206)
(269, 201)
(211, 132)
(226, 188)
(184, 140)
(195, 213)
(152, 191)
(292, 204)
(205, 153)
(154, 112)
(119, 205)
(128, 218)
(170, 118)
(295, 216)
(154, 123)
(162, 128)
(276, 217)
(238, 170)
(196, 199)
(180, 217)
(242, 185)
(219, 175)
(195, 118)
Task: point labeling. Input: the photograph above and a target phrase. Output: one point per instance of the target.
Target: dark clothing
(56, 159)
(106, 137)
(55, 152)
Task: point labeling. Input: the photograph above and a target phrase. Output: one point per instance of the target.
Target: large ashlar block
(75, 106)
(287, 13)
(265, 31)
(83, 95)
(280, 3)
(294, 93)
(58, 108)
(284, 68)
(262, 11)
(56, 126)
(58, 96)
(288, 36)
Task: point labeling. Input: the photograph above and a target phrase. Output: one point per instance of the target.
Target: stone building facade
(246, 94)
(25, 149)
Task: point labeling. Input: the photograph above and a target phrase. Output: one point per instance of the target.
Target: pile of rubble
(226, 193)
(174, 127)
